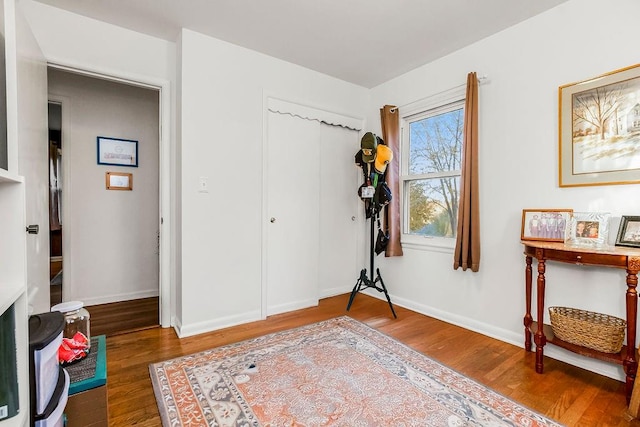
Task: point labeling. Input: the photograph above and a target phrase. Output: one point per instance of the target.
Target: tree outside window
(432, 178)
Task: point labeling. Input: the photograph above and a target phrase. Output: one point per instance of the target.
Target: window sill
(431, 244)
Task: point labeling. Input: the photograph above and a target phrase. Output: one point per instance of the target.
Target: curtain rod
(481, 80)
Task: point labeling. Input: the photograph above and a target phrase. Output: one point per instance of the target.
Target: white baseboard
(184, 331)
(291, 306)
(118, 297)
(332, 292)
(607, 369)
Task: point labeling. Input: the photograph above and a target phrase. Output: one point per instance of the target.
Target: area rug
(339, 372)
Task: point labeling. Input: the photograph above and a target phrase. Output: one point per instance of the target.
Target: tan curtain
(467, 253)
(390, 118)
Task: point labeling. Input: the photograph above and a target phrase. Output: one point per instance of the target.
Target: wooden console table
(610, 256)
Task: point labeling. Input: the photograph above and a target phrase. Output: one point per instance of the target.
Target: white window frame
(437, 104)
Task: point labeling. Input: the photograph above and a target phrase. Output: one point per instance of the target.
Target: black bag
(382, 241)
(383, 194)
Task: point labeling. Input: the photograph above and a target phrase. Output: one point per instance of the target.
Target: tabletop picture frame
(544, 224)
(599, 128)
(117, 152)
(588, 229)
(629, 232)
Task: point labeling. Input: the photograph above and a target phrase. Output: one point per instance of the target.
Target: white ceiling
(366, 42)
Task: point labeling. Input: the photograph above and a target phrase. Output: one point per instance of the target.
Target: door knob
(353, 218)
(272, 220)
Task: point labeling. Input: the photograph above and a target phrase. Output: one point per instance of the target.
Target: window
(431, 167)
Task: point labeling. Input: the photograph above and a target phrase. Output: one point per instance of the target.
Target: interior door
(33, 159)
(292, 223)
(339, 220)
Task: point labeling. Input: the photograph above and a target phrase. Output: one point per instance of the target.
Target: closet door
(339, 204)
(292, 201)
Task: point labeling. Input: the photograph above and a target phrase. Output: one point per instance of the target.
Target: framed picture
(119, 181)
(599, 133)
(589, 229)
(629, 232)
(544, 224)
(117, 152)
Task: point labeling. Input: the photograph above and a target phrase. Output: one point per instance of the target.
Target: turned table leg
(539, 337)
(528, 319)
(630, 362)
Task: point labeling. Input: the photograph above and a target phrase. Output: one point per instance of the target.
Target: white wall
(112, 252)
(221, 103)
(76, 41)
(525, 65)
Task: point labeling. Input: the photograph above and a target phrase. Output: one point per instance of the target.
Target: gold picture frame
(544, 224)
(599, 130)
(119, 181)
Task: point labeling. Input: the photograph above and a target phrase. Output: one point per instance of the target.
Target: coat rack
(373, 205)
(365, 281)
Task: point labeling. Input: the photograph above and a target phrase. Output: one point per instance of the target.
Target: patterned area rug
(339, 372)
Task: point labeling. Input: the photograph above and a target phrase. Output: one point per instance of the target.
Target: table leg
(630, 362)
(539, 337)
(528, 319)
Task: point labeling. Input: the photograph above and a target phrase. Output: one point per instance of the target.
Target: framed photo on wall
(117, 152)
(629, 232)
(599, 135)
(544, 224)
(119, 181)
(588, 229)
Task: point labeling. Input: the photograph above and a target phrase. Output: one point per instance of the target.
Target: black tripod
(365, 282)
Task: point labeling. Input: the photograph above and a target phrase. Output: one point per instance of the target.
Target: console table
(610, 256)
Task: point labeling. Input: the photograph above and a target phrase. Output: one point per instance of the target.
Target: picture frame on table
(117, 152)
(599, 130)
(544, 224)
(588, 229)
(629, 232)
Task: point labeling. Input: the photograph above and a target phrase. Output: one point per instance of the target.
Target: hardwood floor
(569, 395)
(124, 316)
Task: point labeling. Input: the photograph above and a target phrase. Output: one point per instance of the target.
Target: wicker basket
(596, 331)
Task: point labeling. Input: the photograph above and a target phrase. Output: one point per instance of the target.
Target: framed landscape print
(599, 130)
(544, 224)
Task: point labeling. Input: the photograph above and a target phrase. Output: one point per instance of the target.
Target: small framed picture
(588, 229)
(117, 152)
(119, 181)
(629, 232)
(544, 224)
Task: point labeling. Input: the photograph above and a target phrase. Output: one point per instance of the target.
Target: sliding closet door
(292, 234)
(339, 203)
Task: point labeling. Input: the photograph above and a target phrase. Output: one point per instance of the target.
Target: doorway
(54, 148)
(111, 239)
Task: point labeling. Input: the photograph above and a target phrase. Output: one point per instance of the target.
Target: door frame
(271, 102)
(167, 264)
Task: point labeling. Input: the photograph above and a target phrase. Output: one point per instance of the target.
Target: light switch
(203, 184)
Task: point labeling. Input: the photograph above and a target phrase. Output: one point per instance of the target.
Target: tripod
(365, 282)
